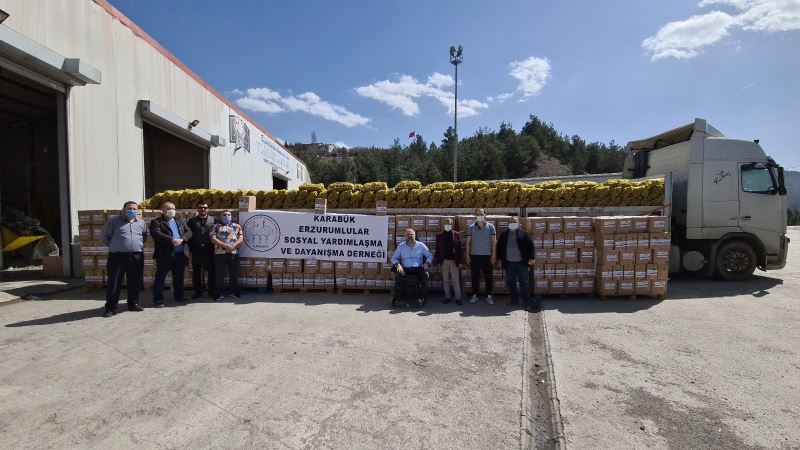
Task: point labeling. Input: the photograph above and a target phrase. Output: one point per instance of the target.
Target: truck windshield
(758, 179)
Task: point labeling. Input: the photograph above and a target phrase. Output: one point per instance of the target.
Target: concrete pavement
(716, 365)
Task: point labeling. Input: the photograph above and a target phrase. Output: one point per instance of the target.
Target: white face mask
(170, 213)
(513, 226)
(481, 219)
(448, 227)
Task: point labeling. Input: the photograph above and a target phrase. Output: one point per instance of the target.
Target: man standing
(202, 250)
(124, 235)
(412, 258)
(481, 246)
(227, 236)
(448, 255)
(515, 252)
(169, 235)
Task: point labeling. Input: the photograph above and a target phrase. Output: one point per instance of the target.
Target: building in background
(94, 112)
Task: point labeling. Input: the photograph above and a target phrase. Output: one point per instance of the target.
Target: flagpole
(455, 60)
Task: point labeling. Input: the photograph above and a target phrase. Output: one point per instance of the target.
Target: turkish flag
(412, 134)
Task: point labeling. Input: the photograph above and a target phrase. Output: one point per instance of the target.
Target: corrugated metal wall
(104, 128)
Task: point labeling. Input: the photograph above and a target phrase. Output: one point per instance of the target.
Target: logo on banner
(240, 134)
(261, 233)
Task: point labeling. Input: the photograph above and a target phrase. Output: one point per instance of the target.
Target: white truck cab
(728, 199)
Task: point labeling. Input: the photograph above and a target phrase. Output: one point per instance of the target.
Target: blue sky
(362, 73)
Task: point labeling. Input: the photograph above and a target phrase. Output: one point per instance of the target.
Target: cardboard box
(662, 269)
(643, 240)
(608, 287)
(585, 224)
(547, 240)
(627, 256)
(644, 256)
(538, 224)
(604, 241)
(538, 270)
(500, 222)
(620, 241)
(628, 272)
(417, 223)
(572, 286)
(311, 266)
(586, 255)
(558, 240)
(661, 255)
(549, 270)
(580, 240)
(569, 255)
(618, 272)
(401, 224)
(624, 224)
(538, 240)
(642, 287)
(606, 225)
(294, 265)
(571, 271)
(658, 224)
(625, 287)
(590, 241)
(555, 225)
(631, 241)
(660, 240)
(52, 266)
(540, 254)
(99, 216)
(247, 203)
(277, 265)
(342, 267)
(658, 287)
(357, 267)
(587, 285)
(85, 233)
(570, 224)
(652, 271)
(245, 264)
(556, 286)
(569, 240)
(610, 257)
(554, 255)
(88, 263)
(561, 271)
(464, 222)
(640, 271)
(372, 268)
(97, 233)
(541, 286)
(641, 224)
(434, 223)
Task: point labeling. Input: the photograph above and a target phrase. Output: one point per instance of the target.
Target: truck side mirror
(781, 184)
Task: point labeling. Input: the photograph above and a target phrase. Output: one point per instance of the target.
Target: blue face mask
(130, 213)
(226, 219)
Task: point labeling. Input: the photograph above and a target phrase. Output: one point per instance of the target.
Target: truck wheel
(736, 260)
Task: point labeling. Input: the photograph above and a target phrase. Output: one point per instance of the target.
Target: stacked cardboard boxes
(633, 255)
(297, 274)
(362, 275)
(564, 254)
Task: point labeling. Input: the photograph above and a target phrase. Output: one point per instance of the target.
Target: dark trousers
(176, 264)
(124, 264)
(519, 272)
(203, 260)
(422, 279)
(229, 262)
(481, 263)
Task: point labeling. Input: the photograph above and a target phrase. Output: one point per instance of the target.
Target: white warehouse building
(94, 112)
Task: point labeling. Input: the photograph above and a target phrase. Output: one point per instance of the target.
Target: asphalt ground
(716, 365)
(267, 371)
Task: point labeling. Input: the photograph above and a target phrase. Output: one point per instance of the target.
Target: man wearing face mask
(170, 236)
(202, 250)
(124, 236)
(448, 255)
(515, 253)
(481, 246)
(227, 236)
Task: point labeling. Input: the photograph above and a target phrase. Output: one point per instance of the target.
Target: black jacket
(201, 233)
(162, 235)
(523, 241)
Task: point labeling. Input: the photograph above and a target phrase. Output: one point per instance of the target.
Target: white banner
(338, 237)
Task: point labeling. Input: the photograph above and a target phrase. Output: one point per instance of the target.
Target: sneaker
(108, 313)
(489, 300)
(474, 299)
(237, 295)
(459, 302)
(135, 308)
(159, 305)
(218, 298)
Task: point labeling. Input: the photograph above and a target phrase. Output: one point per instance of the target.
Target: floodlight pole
(455, 59)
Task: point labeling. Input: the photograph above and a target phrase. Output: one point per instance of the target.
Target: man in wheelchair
(411, 260)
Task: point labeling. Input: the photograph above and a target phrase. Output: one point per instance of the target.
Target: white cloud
(340, 144)
(271, 102)
(403, 94)
(685, 38)
(532, 74)
(504, 96)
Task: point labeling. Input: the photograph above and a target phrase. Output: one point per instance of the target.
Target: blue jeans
(519, 272)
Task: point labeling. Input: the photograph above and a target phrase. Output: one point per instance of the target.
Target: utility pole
(455, 60)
